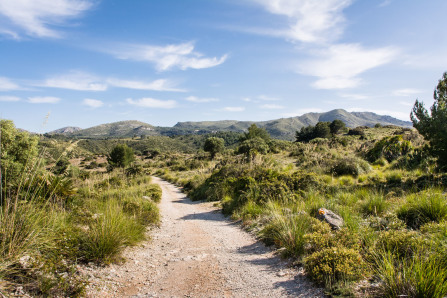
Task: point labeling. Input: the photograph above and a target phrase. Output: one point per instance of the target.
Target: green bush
(108, 233)
(420, 276)
(424, 207)
(375, 204)
(350, 166)
(389, 148)
(332, 265)
(287, 231)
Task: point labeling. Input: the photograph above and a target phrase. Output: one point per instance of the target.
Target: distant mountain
(65, 130)
(117, 130)
(283, 128)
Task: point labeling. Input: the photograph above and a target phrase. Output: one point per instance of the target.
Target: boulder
(334, 220)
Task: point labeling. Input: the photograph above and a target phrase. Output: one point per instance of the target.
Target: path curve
(197, 252)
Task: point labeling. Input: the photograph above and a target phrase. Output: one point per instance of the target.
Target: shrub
(375, 204)
(389, 148)
(420, 276)
(350, 166)
(288, 231)
(332, 265)
(108, 233)
(422, 208)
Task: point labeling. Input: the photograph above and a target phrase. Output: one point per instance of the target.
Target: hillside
(65, 130)
(116, 130)
(283, 128)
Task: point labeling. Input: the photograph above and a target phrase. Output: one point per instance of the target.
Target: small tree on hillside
(253, 146)
(214, 145)
(256, 132)
(337, 126)
(433, 126)
(121, 156)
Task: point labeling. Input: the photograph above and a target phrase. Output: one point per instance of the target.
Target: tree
(18, 150)
(253, 146)
(337, 126)
(256, 132)
(121, 156)
(214, 145)
(322, 130)
(433, 125)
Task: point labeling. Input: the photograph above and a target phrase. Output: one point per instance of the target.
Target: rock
(334, 220)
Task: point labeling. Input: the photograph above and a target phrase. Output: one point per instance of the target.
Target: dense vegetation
(55, 217)
(63, 204)
(384, 182)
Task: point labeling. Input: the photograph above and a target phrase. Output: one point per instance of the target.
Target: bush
(420, 276)
(350, 166)
(427, 206)
(108, 233)
(389, 148)
(287, 231)
(332, 265)
(375, 204)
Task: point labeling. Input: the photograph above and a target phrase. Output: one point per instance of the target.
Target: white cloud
(152, 103)
(406, 92)
(407, 104)
(272, 107)
(309, 20)
(7, 85)
(157, 85)
(339, 66)
(76, 80)
(9, 98)
(36, 17)
(267, 98)
(43, 99)
(233, 109)
(201, 100)
(93, 103)
(180, 56)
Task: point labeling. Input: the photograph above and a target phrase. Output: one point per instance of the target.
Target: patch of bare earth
(197, 252)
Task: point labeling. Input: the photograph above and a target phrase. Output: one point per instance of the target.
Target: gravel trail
(197, 252)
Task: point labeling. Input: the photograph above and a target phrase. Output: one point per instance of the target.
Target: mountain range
(283, 128)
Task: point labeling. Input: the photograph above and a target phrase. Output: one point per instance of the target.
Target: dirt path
(196, 252)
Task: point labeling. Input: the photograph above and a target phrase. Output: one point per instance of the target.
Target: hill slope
(283, 128)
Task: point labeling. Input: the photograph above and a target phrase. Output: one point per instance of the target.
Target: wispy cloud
(406, 92)
(43, 99)
(78, 80)
(309, 20)
(406, 103)
(37, 17)
(260, 98)
(8, 85)
(157, 85)
(9, 98)
(152, 103)
(93, 103)
(271, 107)
(201, 100)
(182, 56)
(75, 80)
(233, 109)
(339, 66)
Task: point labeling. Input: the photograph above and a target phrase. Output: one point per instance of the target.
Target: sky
(88, 62)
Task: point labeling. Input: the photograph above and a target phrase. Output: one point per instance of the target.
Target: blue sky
(88, 62)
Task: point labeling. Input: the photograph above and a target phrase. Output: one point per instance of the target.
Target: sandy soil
(197, 252)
